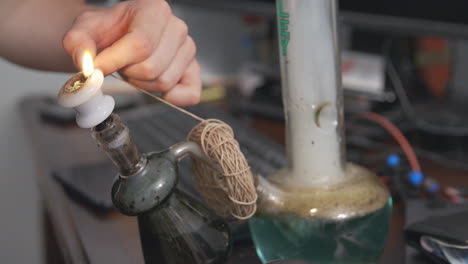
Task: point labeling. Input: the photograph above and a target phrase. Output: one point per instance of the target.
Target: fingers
(174, 35)
(144, 33)
(178, 66)
(94, 30)
(173, 73)
(145, 42)
(80, 38)
(75, 43)
(187, 92)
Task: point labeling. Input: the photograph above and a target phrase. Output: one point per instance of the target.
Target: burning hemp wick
(88, 69)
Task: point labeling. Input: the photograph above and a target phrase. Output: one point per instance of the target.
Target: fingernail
(77, 57)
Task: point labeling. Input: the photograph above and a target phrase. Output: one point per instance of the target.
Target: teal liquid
(359, 240)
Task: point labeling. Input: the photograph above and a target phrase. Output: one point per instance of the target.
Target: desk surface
(87, 237)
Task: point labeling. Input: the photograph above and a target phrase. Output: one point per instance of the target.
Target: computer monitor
(431, 17)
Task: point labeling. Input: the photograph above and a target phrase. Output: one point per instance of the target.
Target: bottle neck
(114, 139)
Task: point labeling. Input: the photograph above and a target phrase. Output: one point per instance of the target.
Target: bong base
(345, 222)
(359, 193)
(353, 241)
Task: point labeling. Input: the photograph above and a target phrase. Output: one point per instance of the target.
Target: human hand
(145, 42)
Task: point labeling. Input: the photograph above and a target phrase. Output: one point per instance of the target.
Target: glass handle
(182, 149)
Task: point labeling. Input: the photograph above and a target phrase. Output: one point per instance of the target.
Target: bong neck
(311, 85)
(114, 139)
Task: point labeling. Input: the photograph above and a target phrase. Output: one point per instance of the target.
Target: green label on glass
(283, 23)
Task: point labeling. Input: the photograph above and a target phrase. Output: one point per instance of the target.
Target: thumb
(76, 42)
(95, 29)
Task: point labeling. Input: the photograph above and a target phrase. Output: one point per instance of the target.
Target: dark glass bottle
(182, 231)
(174, 227)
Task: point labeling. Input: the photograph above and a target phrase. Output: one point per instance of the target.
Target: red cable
(398, 136)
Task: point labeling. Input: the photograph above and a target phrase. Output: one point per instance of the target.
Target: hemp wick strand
(230, 191)
(160, 99)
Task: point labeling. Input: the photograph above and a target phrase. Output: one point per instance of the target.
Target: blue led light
(393, 160)
(415, 177)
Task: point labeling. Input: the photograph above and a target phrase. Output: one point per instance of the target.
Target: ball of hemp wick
(230, 190)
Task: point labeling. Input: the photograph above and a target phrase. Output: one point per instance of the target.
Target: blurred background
(404, 60)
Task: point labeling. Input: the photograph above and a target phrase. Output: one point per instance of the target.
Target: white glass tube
(311, 85)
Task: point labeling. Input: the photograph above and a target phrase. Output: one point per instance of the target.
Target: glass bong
(174, 228)
(320, 209)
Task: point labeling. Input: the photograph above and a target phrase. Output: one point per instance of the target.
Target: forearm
(32, 33)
